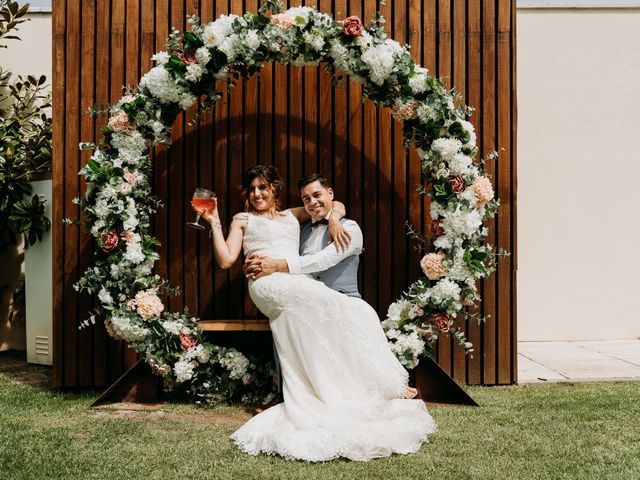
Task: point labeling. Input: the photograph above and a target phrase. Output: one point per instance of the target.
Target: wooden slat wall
(294, 119)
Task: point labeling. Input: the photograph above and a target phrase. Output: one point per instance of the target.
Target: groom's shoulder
(349, 222)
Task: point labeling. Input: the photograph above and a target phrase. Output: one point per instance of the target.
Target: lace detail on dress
(343, 386)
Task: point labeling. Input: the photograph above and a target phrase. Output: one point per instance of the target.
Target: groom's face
(317, 200)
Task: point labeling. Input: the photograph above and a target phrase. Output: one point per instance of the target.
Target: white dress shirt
(317, 259)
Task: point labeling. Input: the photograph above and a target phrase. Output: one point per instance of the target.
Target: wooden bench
(252, 325)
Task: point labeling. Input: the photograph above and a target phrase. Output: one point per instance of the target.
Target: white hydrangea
(340, 55)
(214, 33)
(198, 352)
(128, 330)
(460, 164)
(460, 222)
(131, 148)
(160, 85)
(418, 82)
(447, 148)
(194, 72)
(365, 40)
(443, 242)
(186, 100)
(235, 362)
(231, 46)
(172, 326)
(130, 216)
(161, 58)
(437, 210)
(203, 56)
(314, 39)
(183, 370)
(252, 40)
(469, 195)
(445, 290)
(397, 309)
(105, 297)
(116, 270)
(134, 253)
(425, 113)
(380, 61)
(407, 348)
(302, 12)
(459, 270)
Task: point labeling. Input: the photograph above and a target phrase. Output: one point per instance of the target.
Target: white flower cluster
(128, 330)
(160, 85)
(198, 353)
(183, 370)
(381, 59)
(235, 362)
(406, 346)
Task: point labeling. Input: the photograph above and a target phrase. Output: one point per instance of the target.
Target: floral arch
(118, 202)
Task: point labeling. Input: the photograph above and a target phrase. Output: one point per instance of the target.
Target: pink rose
(352, 26)
(127, 235)
(457, 183)
(130, 178)
(110, 241)
(187, 341)
(187, 58)
(441, 321)
(436, 228)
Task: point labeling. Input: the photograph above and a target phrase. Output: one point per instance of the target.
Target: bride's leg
(410, 392)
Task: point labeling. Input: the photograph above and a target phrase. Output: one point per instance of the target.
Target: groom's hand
(257, 266)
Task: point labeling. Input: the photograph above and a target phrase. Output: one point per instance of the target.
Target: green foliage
(11, 15)
(25, 144)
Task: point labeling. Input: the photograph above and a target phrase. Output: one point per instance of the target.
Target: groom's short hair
(313, 178)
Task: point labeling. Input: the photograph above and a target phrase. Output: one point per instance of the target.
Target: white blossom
(446, 147)
(160, 85)
(161, 58)
(183, 370)
(203, 56)
(380, 61)
(105, 297)
(128, 330)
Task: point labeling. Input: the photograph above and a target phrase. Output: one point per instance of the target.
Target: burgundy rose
(187, 341)
(441, 321)
(352, 26)
(187, 58)
(457, 183)
(110, 241)
(436, 228)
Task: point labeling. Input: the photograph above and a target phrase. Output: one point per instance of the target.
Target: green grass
(582, 431)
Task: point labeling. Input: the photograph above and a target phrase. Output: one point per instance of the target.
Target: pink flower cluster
(283, 20)
(119, 123)
(483, 190)
(433, 266)
(352, 26)
(406, 111)
(147, 304)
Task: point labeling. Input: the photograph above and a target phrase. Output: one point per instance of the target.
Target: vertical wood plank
(87, 96)
(336, 117)
(58, 29)
(444, 350)
(474, 100)
(488, 145)
(503, 191)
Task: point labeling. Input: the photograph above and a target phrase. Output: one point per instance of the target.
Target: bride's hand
(338, 233)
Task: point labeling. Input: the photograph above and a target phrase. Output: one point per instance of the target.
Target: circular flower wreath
(118, 200)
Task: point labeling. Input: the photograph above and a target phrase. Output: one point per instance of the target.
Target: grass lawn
(555, 431)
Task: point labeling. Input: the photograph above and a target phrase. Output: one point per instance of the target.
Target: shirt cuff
(294, 264)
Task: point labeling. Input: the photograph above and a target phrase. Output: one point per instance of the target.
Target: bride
(343, 388)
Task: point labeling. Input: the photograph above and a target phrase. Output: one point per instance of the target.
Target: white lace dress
(342, 385)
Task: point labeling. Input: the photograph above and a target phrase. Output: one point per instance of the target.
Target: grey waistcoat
(342, 277)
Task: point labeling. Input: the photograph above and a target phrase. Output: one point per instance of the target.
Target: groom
(335, 265)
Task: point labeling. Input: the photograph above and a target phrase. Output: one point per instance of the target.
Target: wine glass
(203, 200)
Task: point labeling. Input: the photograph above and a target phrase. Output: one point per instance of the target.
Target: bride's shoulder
(242, 218)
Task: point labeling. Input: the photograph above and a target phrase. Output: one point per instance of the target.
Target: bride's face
(261, 195)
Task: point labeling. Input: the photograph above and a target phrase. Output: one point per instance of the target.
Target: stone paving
(540, 362)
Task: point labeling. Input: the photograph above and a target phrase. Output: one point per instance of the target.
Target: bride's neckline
(280, 216)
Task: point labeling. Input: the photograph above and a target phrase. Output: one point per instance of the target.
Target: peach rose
(352, 26)
(110, 241)
(457, 183)
(283, 21)
(130, 178)
(128, 236)
(148, 305)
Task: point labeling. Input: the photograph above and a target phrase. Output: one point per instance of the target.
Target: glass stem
(198, 218)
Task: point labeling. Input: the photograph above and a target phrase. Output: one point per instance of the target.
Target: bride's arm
(226, 251)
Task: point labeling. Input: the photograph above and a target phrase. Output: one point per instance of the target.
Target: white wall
(578, 174)
(32, 54)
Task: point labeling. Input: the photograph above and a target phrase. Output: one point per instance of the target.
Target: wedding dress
(342, 385)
